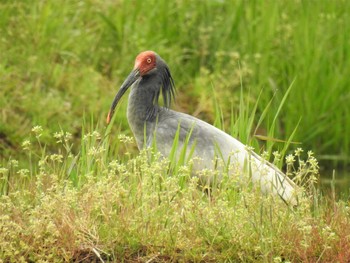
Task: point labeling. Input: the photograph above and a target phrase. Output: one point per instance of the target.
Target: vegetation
(73, 189)
(91, 206)
(62, 59)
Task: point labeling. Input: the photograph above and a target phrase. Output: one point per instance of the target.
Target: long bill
(133, 76)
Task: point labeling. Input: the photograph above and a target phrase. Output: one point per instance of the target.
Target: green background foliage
(61, 60)
(278, 69)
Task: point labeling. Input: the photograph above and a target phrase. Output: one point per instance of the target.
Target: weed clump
(67, 206)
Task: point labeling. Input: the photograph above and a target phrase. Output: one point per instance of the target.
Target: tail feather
(273, 179)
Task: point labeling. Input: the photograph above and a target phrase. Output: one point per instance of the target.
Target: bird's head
(147, 63)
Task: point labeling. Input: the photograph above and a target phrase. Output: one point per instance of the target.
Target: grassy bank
(60, 60)
(89, 205)
(72, 189)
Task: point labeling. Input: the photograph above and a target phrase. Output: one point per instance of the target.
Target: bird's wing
(211, 143)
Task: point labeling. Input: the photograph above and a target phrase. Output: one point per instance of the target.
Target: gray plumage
(151, 76)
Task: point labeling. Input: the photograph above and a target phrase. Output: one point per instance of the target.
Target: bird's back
(215, 149)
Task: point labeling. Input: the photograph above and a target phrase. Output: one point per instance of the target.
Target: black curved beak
(133, 76)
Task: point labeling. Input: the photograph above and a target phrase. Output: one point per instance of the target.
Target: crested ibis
(149, 121)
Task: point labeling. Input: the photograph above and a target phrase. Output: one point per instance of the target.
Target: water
(341, 181)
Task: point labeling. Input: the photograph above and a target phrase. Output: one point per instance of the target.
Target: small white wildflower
(23, 172)
(313, 165)
(204, 172)
(37, 131)
(310, 154)
(297, 177)
(332, 235)
(184, 170)
(93, 151)
(113, 164)
(277, 156)
(290, 159)
(298, 151)
(56, 157)
(96, 134)
(86, 137)
(68, 136)
(312, 159)
(326, 229)
(26, 144)
(328, 233)
(42, 162)
(124, 139)
(58, 136)
(265, 155)
(194, 181)
(249, 148)
(13, 163)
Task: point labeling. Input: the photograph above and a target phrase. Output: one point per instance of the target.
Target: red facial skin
(145, 62)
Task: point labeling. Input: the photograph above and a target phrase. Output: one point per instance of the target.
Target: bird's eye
(149, 60)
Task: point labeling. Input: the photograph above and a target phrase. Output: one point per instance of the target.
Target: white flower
(96, 134)
(124, 139)
(68, 136)
(298, 151)
(58, 136)
(14, 163)
(37, 130)
(56, 157)
(290, 159)
(277, 156)
(23, 172)
(26, 145)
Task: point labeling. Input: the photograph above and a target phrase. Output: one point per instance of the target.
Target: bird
(152, 123)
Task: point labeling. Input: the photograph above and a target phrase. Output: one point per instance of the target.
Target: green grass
(72, 188)
(95, 204)
(99, 201)
(61, 60)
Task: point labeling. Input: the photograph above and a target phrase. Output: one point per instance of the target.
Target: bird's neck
(142, 111)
